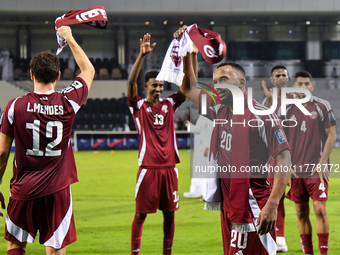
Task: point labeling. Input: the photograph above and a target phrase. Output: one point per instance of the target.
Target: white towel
(172, 67)
(213, 197)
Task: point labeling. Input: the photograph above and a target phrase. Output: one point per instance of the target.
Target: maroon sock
(16, 252)
(136, 234)
(323, 243)
(307, 243)
(280, 222)
(169, 231)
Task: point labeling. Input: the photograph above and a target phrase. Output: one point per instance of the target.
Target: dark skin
(280, 79)
(227, 74)
(153, 87)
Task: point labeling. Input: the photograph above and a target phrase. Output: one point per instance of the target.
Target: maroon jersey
(278, 107)
(264, 141)
(156, 128)
(308, 137)
(41, 124)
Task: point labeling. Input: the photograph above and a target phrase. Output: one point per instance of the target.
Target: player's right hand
(3, 205)
(267, 93)
(267, 219)
(65, 32)
(145, 46)
(187, 123)
(293, 175)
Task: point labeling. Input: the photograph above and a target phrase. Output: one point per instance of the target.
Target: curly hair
(45, 67)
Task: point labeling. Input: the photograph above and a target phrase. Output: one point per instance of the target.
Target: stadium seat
(116, 74)
(17, 74)
(103, 74)
(68, 74)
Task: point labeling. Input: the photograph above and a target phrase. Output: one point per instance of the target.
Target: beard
(225, 95)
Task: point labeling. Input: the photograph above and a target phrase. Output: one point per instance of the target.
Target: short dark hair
(45, 67)
(278, 67)
(233, 65)
(303, 74)
(150, 74)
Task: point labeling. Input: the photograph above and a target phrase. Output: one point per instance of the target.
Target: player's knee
(320, 211)
(168, 214)
(302, 212)
(141, 215)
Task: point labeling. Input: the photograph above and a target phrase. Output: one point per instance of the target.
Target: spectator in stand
(334, 74)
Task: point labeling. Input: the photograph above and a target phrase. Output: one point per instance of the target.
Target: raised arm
(268, 93)
(194, 60)
(87, 70)
(145, 48)
(189, 84)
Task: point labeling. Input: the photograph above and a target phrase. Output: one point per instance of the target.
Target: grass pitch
(103, 202)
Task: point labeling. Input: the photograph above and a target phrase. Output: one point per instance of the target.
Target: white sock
(281, 240)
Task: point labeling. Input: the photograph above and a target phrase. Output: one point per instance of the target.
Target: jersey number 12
(35, 126)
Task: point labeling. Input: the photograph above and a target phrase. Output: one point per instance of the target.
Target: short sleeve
(76, 93)
(273, 134)
(134, 104)
(7, 119)
(329, 118)
(175, 99)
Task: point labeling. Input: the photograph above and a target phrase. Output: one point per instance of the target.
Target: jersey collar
(46, 93)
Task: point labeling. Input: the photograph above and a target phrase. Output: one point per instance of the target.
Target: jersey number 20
(35, 126)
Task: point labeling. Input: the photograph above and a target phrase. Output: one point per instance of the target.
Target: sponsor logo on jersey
(293, 117)
(314, 115)
(165, 108)
(323, 195)
(280, 136)
(331, 116)
(44, 98)
(149, 109)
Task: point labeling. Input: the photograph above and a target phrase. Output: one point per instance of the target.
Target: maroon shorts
(52, 215)
(246, 243)
(303, 188)
(156, 189)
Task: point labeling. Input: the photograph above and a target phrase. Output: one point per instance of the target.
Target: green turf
(104, 209)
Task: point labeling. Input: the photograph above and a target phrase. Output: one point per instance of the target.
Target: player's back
(41, 124)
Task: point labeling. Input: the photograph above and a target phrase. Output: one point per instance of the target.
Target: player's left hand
(3, 205)
(179, 32)
(267, 219)
(322, 170)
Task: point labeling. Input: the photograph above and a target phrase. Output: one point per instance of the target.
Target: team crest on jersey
(165, 108)
(314, 115)
(149, 109)
(280, 136)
